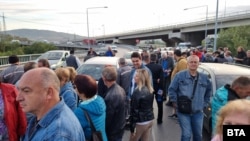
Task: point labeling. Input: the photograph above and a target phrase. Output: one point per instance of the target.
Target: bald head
(43, 76)
(38, 91)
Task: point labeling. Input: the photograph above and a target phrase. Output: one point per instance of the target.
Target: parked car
(220, 74)
(95, 65)
(56, 58)
(101, 51)
(114, 48)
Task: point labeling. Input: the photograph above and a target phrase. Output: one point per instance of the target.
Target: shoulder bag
(184, 103)
(95, 135)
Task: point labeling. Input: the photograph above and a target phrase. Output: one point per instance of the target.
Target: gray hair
(192, 56)
(122, 61)
(49, 78)
(109, 73)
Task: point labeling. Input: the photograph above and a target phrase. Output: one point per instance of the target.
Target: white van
(184, 46)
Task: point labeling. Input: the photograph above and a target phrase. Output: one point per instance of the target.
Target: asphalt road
(169, 130)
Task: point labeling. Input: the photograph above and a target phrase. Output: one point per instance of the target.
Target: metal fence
(4, 60)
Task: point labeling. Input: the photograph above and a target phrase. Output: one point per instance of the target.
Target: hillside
(41, 35)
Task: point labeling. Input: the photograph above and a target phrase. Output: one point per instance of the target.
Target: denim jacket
(69, 95)
(59, 124)
(183, 85)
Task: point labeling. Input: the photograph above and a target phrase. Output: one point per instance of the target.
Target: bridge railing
(4, 60)
(179, 24)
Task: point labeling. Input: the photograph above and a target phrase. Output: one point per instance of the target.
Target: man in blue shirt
(109, 52)
(52, 120)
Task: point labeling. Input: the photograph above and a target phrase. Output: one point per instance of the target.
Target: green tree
(38, 47)
(234, 37)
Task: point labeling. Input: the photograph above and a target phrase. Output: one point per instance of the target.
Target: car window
(127, 55)
(94, 70)
(54, 55)
(225, 79)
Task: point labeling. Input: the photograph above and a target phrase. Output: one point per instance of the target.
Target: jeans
(191, 124)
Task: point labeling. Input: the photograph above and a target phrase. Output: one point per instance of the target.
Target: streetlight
(88, 19)
(216, 25)
(206, 20)
(103, 33)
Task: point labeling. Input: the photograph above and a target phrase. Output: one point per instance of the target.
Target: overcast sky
(69, 16)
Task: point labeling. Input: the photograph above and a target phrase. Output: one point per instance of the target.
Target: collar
(89, 100)
(50, 116)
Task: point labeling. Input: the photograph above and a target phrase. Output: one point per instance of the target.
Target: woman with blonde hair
(72, 75)
(142, 115)
(236, 112)
(67, 92)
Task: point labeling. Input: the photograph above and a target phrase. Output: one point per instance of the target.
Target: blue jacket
(69, 95)
(221, 98)
(59, 124)
(96, 109)
(183, 85)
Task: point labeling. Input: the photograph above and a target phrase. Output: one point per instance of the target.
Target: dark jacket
(157, 73)
(246, 61)
(240, 55)
(141, 107)
(102, 88)
(71, 61)
(115, 112)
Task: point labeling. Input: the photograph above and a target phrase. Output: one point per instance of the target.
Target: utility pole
(216, 26)
(4, 25)
(4, 33)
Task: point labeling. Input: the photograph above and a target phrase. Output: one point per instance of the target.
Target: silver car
(220, 74)
(95, 65)
(56, 58)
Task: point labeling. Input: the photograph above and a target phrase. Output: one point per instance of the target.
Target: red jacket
(14, 117)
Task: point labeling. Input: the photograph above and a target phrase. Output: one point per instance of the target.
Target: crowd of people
(46, 104)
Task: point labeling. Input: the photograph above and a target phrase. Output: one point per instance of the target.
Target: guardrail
(4, 60)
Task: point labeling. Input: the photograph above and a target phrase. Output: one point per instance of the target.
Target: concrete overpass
(193, 31)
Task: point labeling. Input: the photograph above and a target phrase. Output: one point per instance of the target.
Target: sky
(70, 16)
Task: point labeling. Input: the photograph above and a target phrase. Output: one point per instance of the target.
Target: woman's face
(239, 49)
(236, 119)
(136, 78)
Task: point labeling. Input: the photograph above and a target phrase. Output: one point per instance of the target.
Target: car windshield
(52, 55)
(103, 49)
(94, 70)
(127, 55)
(221, 80)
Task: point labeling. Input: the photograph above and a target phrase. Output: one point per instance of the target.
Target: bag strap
(195, 84)
(89, 120)
(194, 88)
